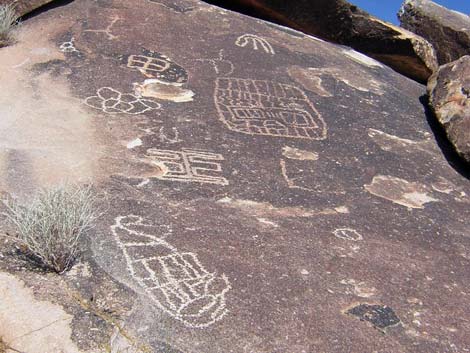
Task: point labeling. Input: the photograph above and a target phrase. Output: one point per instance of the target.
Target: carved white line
(165, 138)
(188, 165)
(347, 234)
(112, 101)
(258, 107)
(175, 281)
(107, 30)
(218, 64)
(68, 47)
(255, 42)
(290, 181)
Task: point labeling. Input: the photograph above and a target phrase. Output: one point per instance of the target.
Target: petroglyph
(311, 79)
(175, 281)
(392, 143)
(68, 47)
(361, 58)
(359, 289)
(188, 165)
(108, 29)
(291, 182)
(222, 66)
(154, 88)
(257, 107)
(254, 42)
(265, 209)
(295, 153)
(347, 234)
(112, 101)
(165, 138)
(180, 6)
(155, 65)
(400, 191)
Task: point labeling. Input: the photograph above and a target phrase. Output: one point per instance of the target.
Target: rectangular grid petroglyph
(145, 63)
(267, 108)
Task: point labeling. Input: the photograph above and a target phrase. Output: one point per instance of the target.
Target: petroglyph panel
(400, 191)
(188, 165)
(175, 281)
(156, 65)
(112, 101)
(259, 107)
(255, 42)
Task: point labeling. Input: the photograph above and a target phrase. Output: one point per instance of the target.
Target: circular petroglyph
(347, 234)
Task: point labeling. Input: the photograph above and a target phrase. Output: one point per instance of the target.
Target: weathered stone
(447, 30)
(449, 92)
(24, 7)
(341, 22)
(296, 178)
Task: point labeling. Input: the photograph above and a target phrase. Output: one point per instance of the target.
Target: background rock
(449, 91)
(341, 22)
(24, 7)
(448, 31)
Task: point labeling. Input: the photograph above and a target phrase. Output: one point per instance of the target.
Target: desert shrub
(50, 227)
(8, 21)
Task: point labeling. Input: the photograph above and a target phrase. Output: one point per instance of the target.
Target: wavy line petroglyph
(257, 107)
(112, 101)
(254, 42)
(175, 281)
(188, 165)
(400, 191)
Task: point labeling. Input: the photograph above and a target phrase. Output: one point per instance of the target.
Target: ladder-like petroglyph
(188, 165)
(259, 107)
(156, 65)
(111, 101)
(176, 281)
(255, 42)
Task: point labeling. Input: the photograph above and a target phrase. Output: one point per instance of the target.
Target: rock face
(449, 91)
(265, 191)
(341, 22)
(24, 7)
(448, 31)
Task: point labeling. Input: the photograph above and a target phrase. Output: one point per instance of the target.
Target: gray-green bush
(8, 21)
(50, 227)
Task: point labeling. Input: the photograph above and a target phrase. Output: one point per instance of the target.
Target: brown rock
(341, 22)
(24, 7)
(449, 91)
(448, 31)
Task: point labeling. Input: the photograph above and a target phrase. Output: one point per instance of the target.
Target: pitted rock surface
(447, 30)
(257, 184)
(340, 22)
(449, 91)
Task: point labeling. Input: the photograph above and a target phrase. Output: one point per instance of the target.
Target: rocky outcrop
(341, 22)
(24, 7)
(448, 31)
(449, 91)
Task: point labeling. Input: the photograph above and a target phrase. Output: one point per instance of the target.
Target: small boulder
(448, 31)
(449, 92)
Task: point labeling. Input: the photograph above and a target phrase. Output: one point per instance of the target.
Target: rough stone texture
(449, 91)
(341, 22)
(447, 30)
(24, 7)
(265, 191)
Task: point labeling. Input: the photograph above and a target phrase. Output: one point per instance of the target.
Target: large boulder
(340, 22)
(449, 92)
(263, 190)
(24, 7)
(448, 31)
